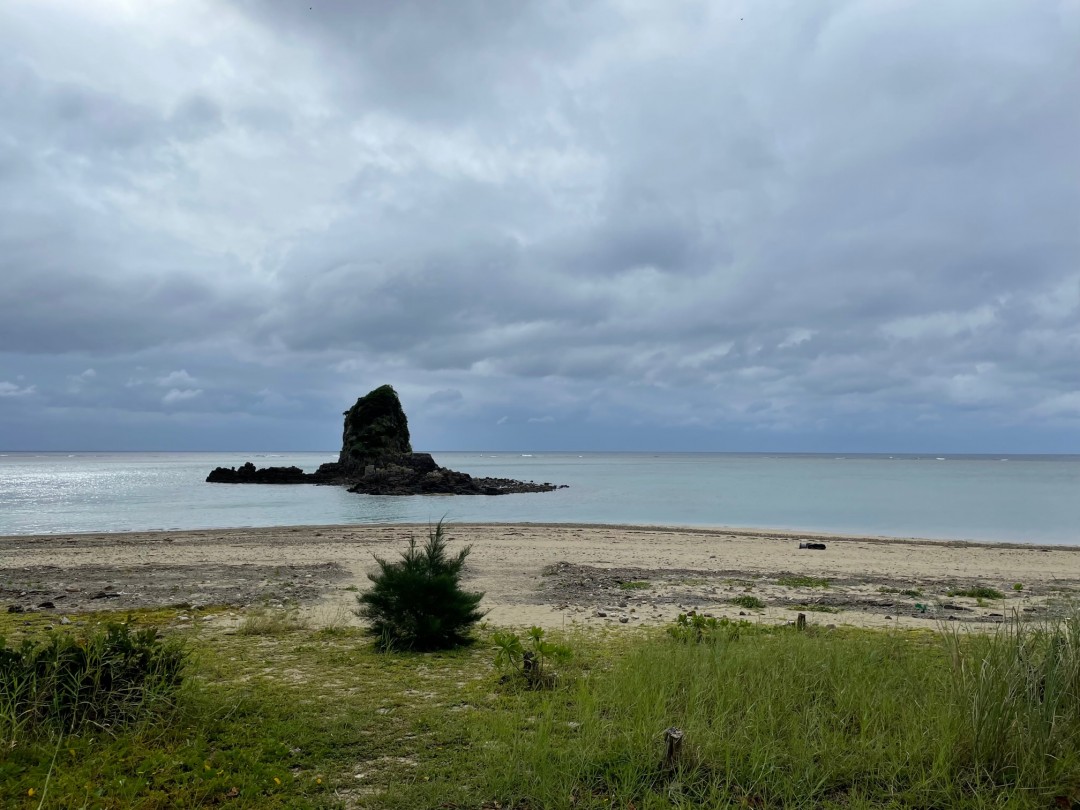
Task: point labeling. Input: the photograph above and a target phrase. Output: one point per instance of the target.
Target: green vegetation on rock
(375, 428)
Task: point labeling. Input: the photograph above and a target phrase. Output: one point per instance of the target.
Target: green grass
(635, 585)
(772, 717)
(108, 677)
(803, 582)
(270, 622)
(980, 592)
(748, 602)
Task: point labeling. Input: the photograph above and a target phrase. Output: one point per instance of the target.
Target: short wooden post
(800, 622)
(529, 667)
(674, 738)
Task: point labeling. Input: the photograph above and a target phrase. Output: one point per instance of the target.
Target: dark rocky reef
(248, 474)
(377, 459)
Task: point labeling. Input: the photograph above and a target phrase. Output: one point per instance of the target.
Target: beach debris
(812, 545)
(47, 605)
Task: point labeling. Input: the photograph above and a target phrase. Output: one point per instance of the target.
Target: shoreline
(740, 531)
(553, 574)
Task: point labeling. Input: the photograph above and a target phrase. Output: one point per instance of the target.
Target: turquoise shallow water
(1018, 498)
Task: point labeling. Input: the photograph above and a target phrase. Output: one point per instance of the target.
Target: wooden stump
(674, 738)
(800, 622)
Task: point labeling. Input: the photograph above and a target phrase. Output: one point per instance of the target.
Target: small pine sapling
(417, 603)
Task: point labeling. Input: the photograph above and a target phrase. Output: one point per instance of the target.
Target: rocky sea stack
(377, 459)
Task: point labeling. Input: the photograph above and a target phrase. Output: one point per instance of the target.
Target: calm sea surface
(1021, 498)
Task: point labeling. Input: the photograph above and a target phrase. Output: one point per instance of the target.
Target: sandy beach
(551, 575)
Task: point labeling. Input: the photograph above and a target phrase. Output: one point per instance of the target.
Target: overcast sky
(833, 226)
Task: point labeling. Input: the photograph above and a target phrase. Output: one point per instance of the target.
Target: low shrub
(417, 603)
(748, 602)
(111, 676)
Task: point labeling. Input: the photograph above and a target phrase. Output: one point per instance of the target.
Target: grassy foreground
(289, 717)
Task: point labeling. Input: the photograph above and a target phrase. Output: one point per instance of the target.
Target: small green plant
(636, 585)
(417, 602)
(693, 627)
(748, 602)
(1018, 586)
(111, 676)
(803, 582)
(533, 665)
(979, 592)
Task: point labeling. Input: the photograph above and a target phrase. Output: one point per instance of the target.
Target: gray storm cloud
(846, 225)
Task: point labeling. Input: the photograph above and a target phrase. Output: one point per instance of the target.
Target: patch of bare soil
(638, 594)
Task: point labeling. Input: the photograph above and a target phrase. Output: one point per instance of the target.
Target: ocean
(1033, 499)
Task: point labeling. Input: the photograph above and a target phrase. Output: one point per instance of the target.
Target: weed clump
(532, 664)
(417, 602)
(693, 627)
(111, 676)
(748, 602)
(270, 623)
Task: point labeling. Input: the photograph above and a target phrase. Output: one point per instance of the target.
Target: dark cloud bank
(693, 226)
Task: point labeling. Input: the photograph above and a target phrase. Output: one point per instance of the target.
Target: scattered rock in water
(248, 474)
